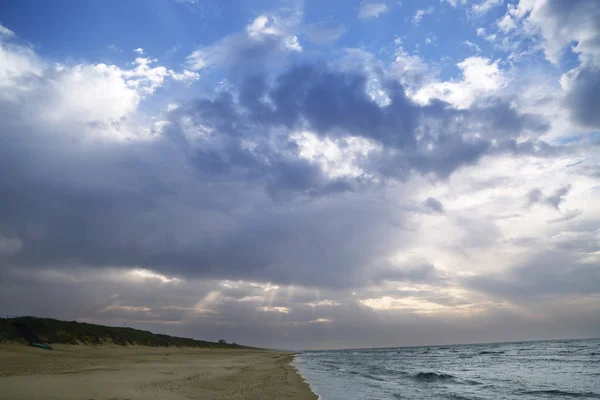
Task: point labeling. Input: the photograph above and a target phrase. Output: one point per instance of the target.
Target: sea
(561, 369)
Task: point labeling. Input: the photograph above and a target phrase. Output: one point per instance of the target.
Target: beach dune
(145, 373)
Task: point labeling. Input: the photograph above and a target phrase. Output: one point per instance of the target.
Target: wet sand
(146, 373)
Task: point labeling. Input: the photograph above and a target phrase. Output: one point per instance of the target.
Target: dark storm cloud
(434, 205)
(554, 273)
(240, 202)
(415, 274)
(536, 196)
(204, 232)
(497, 118)
(565, 265)
(538, 148)
(435, 138)
(583, 99)
(580, 22)
(567, 217)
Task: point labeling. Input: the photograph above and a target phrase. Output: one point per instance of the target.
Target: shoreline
(147, 373)
(303, 382)
(316, 395)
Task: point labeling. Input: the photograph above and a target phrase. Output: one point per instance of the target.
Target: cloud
(430, 39)
(486, 5)
(17, 62)
(10, 245)
(472, 46)
(536, 196)
(86, 93)
(283, 310)
(454, 3)
(553, 273)
(560, 23)
(421, 13)
(372, 10)
(581, 87)
(5, 32)
(567, 217)
(300, 203)
(220, 150)
(324, 303)
(265, 39)
(480, 76)
(324, 33)
(264, 27)
(434, 205)
(478, 7)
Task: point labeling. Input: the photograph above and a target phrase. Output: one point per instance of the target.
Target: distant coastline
(53, 331)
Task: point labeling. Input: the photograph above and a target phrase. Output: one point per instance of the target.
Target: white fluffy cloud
(81, 93)
(265, 36)
(560, 23)
(337, 158)
(555, 28)
(16, 62)
(5, 32)
(481, 76)
(372, 10)
(486, 5)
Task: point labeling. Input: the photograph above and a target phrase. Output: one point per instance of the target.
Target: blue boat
(41, 345)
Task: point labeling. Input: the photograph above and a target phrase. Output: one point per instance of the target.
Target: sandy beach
(146, 373)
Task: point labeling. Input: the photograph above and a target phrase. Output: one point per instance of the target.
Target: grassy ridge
(72, 332)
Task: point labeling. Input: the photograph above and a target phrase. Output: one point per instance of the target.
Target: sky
(303, 174)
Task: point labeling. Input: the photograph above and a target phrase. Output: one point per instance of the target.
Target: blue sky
(169, 30)
(304, 174)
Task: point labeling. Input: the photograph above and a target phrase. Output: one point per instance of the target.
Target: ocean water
(564, 369)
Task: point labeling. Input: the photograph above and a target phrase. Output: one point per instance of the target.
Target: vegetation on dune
(53, 331)
(8, 331)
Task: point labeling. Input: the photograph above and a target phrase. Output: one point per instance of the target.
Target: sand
(146, 373)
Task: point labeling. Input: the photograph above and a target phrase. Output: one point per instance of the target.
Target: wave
(385, 371)
(561, 393)
(375, 378)
(433, 377)
(454, 396)
(441, 377)
(467, 372)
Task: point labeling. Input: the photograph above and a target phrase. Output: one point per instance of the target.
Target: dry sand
(146, 373)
